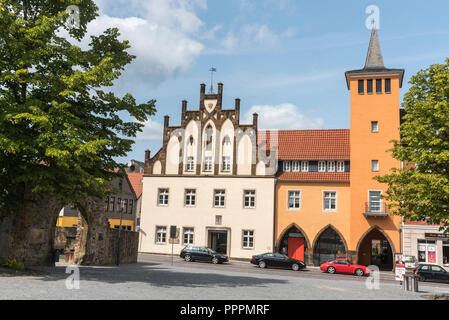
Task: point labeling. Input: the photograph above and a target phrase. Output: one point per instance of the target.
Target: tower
(374, 122)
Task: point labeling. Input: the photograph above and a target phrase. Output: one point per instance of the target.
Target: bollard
(415, 284)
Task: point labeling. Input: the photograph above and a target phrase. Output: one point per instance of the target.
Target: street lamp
(121, 204)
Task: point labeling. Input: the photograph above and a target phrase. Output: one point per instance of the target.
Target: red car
(343, 266)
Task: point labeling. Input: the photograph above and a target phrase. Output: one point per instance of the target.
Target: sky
(285, 59)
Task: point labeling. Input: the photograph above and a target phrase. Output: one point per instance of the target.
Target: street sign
(172, 232)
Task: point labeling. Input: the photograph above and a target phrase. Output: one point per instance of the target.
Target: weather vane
(212, 70)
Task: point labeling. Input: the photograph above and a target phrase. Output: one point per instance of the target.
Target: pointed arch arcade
(329, 244)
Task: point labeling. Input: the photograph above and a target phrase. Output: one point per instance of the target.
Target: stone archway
(283, 241)
(329, 244)
(375, 248)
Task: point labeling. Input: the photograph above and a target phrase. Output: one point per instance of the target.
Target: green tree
(420, 189)
(60, 129)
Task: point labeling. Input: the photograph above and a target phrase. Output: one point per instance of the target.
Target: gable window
(369, 86)
(190, 166)
(208, 164)
(226, 166)
(219, 198)
(161, 234)
(374, 165)
(162, 199)
(249, 198)
(340, 166)
(378, 85)
(374, 126)
(188, 236)
(321, 166)
(387, 85)
(361, 88)
(287, 166)
(125, 205)
(130, 207)
(295, 166)
(305, 166)
(331, 166)
(294, 199)
(248, 239)
(190, 197)
(329, 200)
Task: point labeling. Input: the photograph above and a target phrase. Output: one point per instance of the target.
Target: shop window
(446, 252)
(427, 251)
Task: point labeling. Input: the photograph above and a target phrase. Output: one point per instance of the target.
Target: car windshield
(211, 251)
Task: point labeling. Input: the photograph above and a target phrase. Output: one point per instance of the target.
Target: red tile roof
(331, 144)
(419, 223)
(314, 176)
(135, 178)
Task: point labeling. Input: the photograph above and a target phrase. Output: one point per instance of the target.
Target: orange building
(327, 203)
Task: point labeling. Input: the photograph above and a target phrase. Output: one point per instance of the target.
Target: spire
(374, 56)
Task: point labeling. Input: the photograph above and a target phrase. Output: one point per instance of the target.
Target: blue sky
(284, 59)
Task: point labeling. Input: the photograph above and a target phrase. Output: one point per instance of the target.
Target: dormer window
(287, 166)
(331, 166)
(321, 166)
(295, 166)
(304, 166)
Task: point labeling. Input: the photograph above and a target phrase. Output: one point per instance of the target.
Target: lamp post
(119, 231)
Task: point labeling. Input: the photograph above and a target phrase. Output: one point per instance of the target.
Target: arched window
(328, 247)
(208, 137)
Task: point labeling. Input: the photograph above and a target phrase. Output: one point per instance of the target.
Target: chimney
(220, 88)
(255, 116)
(147, 154)
(237, 104)
(184, 107)
(166, 121)
(203, 88)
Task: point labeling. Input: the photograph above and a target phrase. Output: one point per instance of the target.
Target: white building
(211, 182)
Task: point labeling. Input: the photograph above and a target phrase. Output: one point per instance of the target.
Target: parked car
(194, 253)
(277, 260)
(431, 272)
(343, 266)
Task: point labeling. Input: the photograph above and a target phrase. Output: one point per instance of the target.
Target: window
(119, 204)
(219, 198)
(387, 85)
(125, 205)
(161, 234)
(249, 199)
(374, 126)
(340, 166)
(208, 139)
(295, 166)
(331, 166)
(286, 166)
(375, 203)
(208, 164)
(294, 199)
(218, 220)
(188, 236)
(374, 165)
(111, 204)
(163, 197)
(190, 165)
(369, 86)
(445, 252)
(130, 207)
(427, 251)
(226, 164)
(330, 200)
(321, 166)
(378, 85)
(248, 239)
(305, 166)
(190, 197)
(361, 88)
(106, 204)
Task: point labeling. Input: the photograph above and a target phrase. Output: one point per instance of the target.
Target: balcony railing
(375, 209)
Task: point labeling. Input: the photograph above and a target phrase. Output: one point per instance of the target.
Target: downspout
(274, 214)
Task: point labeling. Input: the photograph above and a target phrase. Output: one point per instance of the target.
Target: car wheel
(295, 267)
(214, 260)
(331, 270)
(262, 264)
(359, 272)
(188, 258)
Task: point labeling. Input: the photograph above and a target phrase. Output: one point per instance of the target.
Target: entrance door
(296, 248)
(218, 241)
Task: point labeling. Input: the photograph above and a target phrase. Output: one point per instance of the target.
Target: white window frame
(247, 235)
(220, 195)
(340, 166)
(207, 164)
(190, 195)
(251, 196)
(322, 166)
(304, 166)
(335, 198)
(286, 166)
(295, 166)
(165, 194)
(190, 164)
(190, 232)
(226, 164)
(331, 166)
(162, 231)
(374, 126)
(294, 197)
(374, 165)
(369, 200)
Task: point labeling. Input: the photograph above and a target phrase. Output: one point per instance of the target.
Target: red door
(296, 248)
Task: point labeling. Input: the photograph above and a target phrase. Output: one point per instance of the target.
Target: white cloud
(284, 116)
(152, 130)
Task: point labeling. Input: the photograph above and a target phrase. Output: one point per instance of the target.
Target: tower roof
(374, 55)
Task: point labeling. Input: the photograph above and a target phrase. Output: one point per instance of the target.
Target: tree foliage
(60, 130)
(420, 189)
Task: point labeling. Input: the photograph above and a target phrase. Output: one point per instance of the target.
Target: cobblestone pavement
(155, 278)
